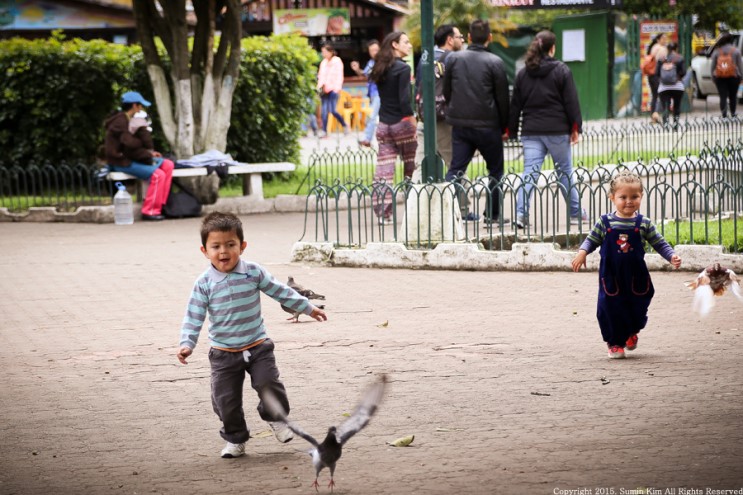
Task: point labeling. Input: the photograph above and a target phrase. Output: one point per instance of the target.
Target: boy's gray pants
(228, 376)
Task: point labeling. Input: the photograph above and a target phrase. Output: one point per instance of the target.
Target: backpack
(669, 72)
(647, 65)
(724, 66)
(438, 85)
(181, 203)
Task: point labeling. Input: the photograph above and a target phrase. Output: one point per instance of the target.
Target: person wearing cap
(128, 152)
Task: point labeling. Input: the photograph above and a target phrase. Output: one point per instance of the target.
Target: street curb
(522, 257)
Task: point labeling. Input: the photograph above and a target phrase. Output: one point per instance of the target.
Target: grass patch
(726, 232)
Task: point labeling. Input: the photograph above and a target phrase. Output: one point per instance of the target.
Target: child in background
(229, 292)
(625, 288)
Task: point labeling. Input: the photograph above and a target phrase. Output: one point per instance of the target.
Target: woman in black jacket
(396, 129)
(544, 94)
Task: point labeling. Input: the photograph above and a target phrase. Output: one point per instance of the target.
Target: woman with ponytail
(396, 129)
(544, 95)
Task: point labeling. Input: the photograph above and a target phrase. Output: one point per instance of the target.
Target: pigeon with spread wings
(308, 293)
(713, 281)
(325, 454)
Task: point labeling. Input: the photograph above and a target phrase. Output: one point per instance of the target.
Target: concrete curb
(522, 257)
(242, 205)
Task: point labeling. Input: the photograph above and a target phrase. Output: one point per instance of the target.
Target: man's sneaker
(521, 221)
(616, 352)
(232, 450)
(281, 431)
(632, 342)
(472, 217)
(583, 217)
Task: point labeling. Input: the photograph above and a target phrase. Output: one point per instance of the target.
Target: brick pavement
(93, 401)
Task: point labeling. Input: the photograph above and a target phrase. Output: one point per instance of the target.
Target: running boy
(625, 288)
(229, 292)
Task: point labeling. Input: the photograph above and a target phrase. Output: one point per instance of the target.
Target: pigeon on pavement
(325, 454)
(713, 281)
(308, 293)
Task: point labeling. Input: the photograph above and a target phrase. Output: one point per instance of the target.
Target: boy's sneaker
(232, 450)
(472, 217)
(616, 352)
(281, 431)
(632, 342)
(577, 220)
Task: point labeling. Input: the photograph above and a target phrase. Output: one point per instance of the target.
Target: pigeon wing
(273, 406)
(704, 300)
(363, 412)
(702, 279)
(735, 284)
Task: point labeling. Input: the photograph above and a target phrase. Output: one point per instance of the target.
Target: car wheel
(697, 92)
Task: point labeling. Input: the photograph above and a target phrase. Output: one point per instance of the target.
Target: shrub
(272, 99)
(55, 96)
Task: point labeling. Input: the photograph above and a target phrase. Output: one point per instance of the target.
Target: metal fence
(600, 144)
(693, 200)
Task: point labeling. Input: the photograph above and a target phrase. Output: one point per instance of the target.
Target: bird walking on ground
(308, 293)
(713, 281)
(325, 454)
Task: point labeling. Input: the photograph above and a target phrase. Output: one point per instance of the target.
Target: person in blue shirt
(229, 293)
(372, 91)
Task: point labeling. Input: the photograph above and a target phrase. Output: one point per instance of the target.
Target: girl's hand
(579, 260)
(319, 314)
(676, 261)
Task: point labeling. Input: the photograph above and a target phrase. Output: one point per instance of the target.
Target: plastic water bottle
(123, 211)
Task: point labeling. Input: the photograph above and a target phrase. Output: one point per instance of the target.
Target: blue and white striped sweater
(232, 301)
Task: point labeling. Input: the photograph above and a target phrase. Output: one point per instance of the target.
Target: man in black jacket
(476, 91)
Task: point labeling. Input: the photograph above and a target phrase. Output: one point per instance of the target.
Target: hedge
(56, 94)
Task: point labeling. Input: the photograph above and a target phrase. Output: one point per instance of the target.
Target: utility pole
(432, 164)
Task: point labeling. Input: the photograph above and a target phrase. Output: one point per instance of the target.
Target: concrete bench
(251, 172)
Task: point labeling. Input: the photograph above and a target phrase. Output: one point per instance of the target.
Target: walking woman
(656, 51)
(330, 84)
(544, 95)
(671, 71)
(727, 69)
(396, 129)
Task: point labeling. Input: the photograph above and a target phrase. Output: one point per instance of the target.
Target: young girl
(625, 288)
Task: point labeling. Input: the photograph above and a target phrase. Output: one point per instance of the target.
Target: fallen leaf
(263, 434)
(346, 415)
(402, 441)
(384, 325)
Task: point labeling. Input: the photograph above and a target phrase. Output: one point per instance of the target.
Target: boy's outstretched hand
(319, 314)
(183, 353)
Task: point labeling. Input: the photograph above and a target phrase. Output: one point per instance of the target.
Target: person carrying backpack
(671, 71)
(656, 50)
(727, 69)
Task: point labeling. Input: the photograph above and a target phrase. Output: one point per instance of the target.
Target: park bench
(251, 172)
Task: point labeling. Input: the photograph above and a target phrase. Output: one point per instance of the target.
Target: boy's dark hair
(221, 222)
(479, 31)
(442, 33)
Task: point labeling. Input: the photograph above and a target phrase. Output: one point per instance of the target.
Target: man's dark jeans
(488, 141)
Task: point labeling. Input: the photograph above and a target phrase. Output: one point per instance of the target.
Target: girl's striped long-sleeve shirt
(647, 231)
(232, 301)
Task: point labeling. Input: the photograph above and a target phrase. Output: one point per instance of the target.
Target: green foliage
(55, 96)
(460, 13)
(272, 98)
(708, 11)
(725, 232)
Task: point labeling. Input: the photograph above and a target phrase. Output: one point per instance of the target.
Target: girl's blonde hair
(624, 178)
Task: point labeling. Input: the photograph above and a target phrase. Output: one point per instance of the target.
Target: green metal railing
(695, 199)
(599, 145)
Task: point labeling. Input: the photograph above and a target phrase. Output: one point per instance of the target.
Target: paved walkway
(502, 377)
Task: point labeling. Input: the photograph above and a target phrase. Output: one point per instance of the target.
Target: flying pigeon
(308, 293)
(327, 453)
(713, 281)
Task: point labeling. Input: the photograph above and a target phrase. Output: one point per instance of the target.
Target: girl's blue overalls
(625, 288)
